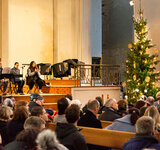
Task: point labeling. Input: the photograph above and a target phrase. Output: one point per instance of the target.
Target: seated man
(39, 112)
(110, 111)
(144, 136)
(89, 119)
(62, 104)
(3, 83)
(16, 71)
(35, 100)
(67, 133)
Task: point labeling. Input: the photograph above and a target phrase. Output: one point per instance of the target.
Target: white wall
(30, 31)
(152, 14)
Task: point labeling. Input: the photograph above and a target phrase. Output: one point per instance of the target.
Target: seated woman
(33, 76)
(126, 123)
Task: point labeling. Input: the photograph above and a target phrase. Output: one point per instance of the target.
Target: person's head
(99, 99)
(153, 113)
(28, 137)
(10, 101)
(134, 112)
(62, 104)
(158, 95)
(21, 103)
(142, 111)
(122, 104)
(140, 104)
(76, 101)
(112, 103)
(32, 65)
(20, 114)
(93, 106)
(150, 100)
(16, 65)
(35, 97)
(47, 140)
(69, 97)
(35, 123)
(5, 113)
(145, 125)
(73, 114)
(39, 112)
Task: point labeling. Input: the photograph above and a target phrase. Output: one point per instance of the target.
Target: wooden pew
(106, 123)
(101, 137)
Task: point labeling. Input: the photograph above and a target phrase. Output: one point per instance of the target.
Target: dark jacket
(109, 114)
(140, 142)
(3, 132)
(15, 145)
(70, 137)
(33, 104)
(89, 120)
(13, 128)
(15, 71)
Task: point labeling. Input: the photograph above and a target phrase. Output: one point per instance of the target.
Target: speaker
(61, 70)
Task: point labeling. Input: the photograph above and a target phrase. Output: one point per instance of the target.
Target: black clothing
(109, 115)
(34, 78)
(70, 137)
(13, 128)
(140, 142)
(33, 104)
(16, 145)
(89, 120)
(3, 132)
(122, 111)
(16, 80)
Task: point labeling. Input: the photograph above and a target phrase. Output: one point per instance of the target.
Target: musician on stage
(33, 77)
(3, 83)
(16, 71)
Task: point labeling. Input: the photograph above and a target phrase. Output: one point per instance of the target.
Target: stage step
(48, 98)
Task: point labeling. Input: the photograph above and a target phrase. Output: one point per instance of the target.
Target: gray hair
(109, 102)
(47, 140)
(145, 125)
(92, 104)
(34, 122)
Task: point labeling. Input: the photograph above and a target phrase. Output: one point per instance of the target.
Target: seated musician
(33, 76)
(3, 83)
(16, 71)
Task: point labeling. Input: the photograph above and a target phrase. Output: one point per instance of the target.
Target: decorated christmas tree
(141, 62)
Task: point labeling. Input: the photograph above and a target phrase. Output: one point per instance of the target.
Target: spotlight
(131, 2)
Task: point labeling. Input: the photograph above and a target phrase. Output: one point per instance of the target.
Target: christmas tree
(141, 62)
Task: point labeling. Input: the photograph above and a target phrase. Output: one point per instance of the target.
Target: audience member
(142, 111)
(47, 140)
(21, 103)
(68, 97)
(144, 136)
(68, 134)
(5, 113)
(62, 104)
(126, 123)
(89, 118)
(25, 140)
(15, 125)
(34, 122)
(35, 100)
(99, 99)
(10, 101)
(39, 112)
(110, 111)
(1, 146)
(122, 107)
(150, 101)
(78, 103)
(154, 114)
(140, 104)
(157, 102)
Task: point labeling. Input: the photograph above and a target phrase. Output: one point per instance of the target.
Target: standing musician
(3, 82)
(15, 71)
(33, 76)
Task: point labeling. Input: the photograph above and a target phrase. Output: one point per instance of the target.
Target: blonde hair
(153, 113)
